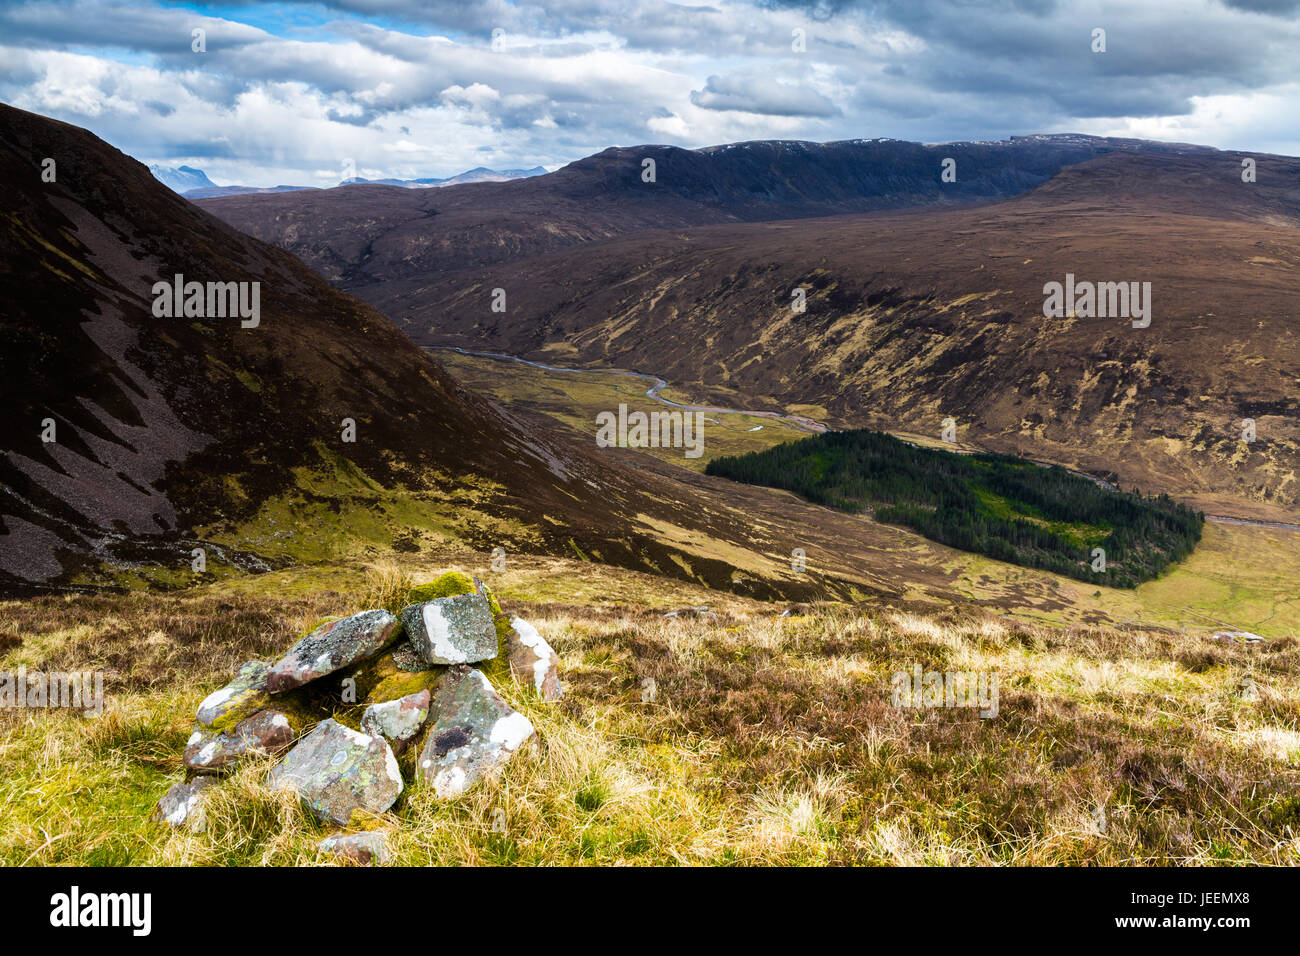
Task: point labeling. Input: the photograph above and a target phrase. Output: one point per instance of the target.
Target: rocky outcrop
(331, 647)
(422, 694)
(474, 734)
(343, 776)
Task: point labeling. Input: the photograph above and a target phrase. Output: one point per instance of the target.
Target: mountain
(380, 244)
(132, 440)
(182, 178)
(914, 314)
(480, 174)
(209, 192)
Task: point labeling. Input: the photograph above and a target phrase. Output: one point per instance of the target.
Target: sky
(306, 93)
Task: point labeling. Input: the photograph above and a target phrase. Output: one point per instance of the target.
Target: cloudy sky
(290, 92)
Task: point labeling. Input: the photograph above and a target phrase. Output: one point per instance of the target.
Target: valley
(1239, 576)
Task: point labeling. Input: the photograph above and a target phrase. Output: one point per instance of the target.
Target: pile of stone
(421, 690)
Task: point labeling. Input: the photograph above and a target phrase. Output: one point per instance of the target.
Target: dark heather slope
(381, 242)
(173, 432)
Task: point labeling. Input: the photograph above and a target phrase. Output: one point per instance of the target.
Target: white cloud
(574, 76)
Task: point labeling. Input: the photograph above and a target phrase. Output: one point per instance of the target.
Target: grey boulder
(475, 733)
(532, 661)
(244, 696)
(397, 721)
(266, 732)
(182, 805)
(331, 647)
(342, 776)
(452, 630)
(363, 849)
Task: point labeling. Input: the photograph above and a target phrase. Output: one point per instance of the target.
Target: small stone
(266, 732)
(363, 849)
(397, 721)
(244, 696)
(475, 733)
(533, 661)
(452, 630)
(700, 612)
(331, 647)
(406, 659)
(182, 805)
(341, 774)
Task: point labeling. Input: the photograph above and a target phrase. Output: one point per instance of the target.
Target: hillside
(913, 317)
(176, 434)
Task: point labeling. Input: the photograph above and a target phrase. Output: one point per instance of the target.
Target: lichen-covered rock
(532, 660)
(266, 732)
(341, 774)
(474, 733)
(397, 721)
(244, 696)
(182, 805)
(363, 849)
(452, 630)
(331, 647)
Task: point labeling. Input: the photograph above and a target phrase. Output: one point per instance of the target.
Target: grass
(767, 740)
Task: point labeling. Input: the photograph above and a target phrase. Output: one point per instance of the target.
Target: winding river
(796, 421)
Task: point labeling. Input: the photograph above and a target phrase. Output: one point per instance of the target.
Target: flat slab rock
(182, 805)
(533, 661)
(244, 696)
(475, 733)
(397, 721)
(331, 647)
(340, 773)
(452, 630)
(266, 732)
(363, 849)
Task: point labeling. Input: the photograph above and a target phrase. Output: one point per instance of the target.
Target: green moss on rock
(451, 583)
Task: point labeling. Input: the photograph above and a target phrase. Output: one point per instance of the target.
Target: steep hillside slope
(129, 439)
(163, 426)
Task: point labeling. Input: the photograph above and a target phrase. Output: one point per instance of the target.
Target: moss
(450, 584)
(498, 668)
(391, 682)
